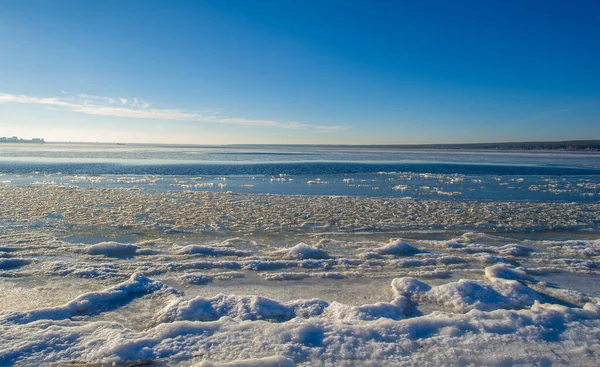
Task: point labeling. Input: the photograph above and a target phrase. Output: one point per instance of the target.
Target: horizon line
(416, 145)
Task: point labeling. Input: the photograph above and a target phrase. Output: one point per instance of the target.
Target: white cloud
(138, 108)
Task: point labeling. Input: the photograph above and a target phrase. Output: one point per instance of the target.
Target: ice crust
(89, 303)
(208, 212)
(253, 330)
(163, 258)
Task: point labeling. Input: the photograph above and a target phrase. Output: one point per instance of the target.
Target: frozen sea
(297, 255)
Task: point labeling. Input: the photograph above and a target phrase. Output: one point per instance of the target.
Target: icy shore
(496, 317)
(238, 302)
(120, 277)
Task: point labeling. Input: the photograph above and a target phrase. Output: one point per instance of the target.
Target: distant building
(15, 139)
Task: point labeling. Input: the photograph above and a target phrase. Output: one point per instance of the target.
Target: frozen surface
(240, 214)
(96, 276)
(302, 251)
(254, 330)
(311, 170)
(182, 300)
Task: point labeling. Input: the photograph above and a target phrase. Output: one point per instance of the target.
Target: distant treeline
(569, 145)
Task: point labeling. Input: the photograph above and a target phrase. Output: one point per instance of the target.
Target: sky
(300, 72)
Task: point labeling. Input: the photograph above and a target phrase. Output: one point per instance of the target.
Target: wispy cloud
(140, 109)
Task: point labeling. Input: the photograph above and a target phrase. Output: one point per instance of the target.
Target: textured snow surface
(495, 315)
(103, 276)
(226, 212)
(301, 251)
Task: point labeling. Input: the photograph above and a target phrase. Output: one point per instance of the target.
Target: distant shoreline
(570, 145)
(15, 140)
(566, 146)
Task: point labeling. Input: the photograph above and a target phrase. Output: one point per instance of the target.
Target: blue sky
(354, 72)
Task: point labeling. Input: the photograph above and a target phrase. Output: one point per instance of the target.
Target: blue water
(428, 174)
(288, 168)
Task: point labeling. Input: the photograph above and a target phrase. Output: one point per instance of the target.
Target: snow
(92, 302)
(514, 250)
(466, 295)
(395, 310)
(238, 242)
(303, 280)
(302, 251)
(252, 331)
(276, 361)
(397, 247)
(112, 249)
(499, 273)
(239, 307)
(408, 286)
(503, 292)
(194, 278)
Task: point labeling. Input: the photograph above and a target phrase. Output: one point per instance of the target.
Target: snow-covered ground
(116, 276)
(506, 318)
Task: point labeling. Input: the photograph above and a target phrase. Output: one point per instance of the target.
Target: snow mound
(499, 273)
(395, 310)
(503, 291)
(408, 286)
(112, 249)
(91, 303)
(466, 295)
(514, 250)
(439, 339)
(261, 308)
(397, 248)
(238, 307)
(577, 248)
(301, 251)
(276, 361)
